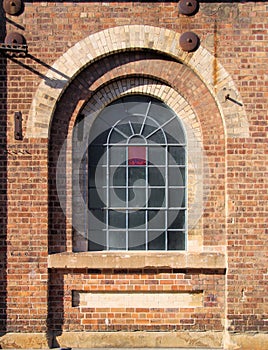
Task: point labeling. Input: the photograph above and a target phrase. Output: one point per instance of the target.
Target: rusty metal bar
(13, 48)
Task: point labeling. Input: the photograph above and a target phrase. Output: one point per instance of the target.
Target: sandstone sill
(137, 260)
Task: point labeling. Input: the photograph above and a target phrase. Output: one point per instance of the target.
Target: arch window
(137, 177)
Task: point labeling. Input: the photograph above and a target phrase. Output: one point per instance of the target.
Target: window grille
(137, 177)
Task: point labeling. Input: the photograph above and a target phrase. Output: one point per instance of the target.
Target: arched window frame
(115, 129)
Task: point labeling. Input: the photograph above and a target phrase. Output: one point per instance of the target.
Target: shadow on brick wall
(57, 241)
(3, 179)
(57, 216)
(55, 317)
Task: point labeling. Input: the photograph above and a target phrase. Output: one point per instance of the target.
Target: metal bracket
(228, 97)
(189, 41)
(13, 7)
(14, 44)
(188, 7)
(18, 126)
(13, 49)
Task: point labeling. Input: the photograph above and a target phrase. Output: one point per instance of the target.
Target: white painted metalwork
(145, 199)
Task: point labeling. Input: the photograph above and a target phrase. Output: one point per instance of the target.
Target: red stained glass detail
(136, 155)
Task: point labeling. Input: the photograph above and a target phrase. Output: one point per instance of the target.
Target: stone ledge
(129, 340)
(140, 260)
(247, 341)
(24, 341)
(141, 340)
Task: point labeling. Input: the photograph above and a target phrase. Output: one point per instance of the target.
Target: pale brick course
(132, 37)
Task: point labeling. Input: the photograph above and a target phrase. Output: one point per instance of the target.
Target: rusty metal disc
(189, 41)
(188, 7)
(15, 38)
(13, 7)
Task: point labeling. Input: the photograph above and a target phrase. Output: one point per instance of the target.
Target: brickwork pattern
(27, 254)
(129, 38)
(75, 318)
(75, 50)
(88, 84)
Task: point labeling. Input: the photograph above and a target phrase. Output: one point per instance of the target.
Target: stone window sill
(137, 260)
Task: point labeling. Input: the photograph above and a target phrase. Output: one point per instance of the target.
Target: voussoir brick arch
(124, 38)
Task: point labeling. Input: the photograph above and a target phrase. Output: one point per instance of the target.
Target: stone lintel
(137, 260)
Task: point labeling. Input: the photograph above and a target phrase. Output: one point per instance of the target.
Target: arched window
(137, 177)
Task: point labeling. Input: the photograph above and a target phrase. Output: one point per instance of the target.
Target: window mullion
(146, 198)
(124, 214)
(166, 195)
(107, 195)
(127, 207)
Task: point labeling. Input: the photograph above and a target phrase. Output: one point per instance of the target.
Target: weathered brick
(85, 55)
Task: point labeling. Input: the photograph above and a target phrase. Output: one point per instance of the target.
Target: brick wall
(27, 237)
(176, 317)
(232, 59)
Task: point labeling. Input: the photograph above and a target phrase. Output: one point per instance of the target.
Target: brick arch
(176, 84)
(125, 38)
(202, 121)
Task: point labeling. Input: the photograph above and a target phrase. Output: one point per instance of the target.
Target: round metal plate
(188, 7)
(14, 39)
(13, 7)
(189, 41)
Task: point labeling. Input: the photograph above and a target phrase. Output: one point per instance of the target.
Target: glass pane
(136, 103)
(176, 176)
(136, 197)
(117, 176)
(157, 137)
(98, 133)
(156, 176)
(108, 117)
(176, 219)
(176, 240)
(136, 174)
(157, 197)
(124, 127)
(157, 155)
(156, 240)
(160, 112)
(91, 176)
(176, 155)
(97, 155)
(117, 197)
(136, 155)
(156, 219)
(96, 176)
(117, 155)
(97, 198)
(176, 197)
(97, 241)
(137, 140)
(117, 240)
(117, 219)
(136, 240)
(117, 137)
(174, 132)
(136, 219)
(149, 127)
(96, 219)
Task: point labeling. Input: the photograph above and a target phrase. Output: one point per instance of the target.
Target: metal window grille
(137, 178)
